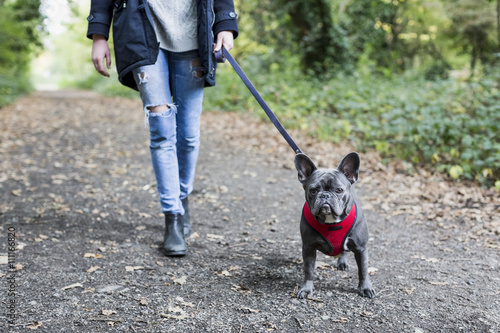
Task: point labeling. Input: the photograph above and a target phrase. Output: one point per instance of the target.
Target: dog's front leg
(365, 286)
(342, 262)
(309, 257)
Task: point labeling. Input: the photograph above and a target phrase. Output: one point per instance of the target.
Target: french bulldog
(332, 220)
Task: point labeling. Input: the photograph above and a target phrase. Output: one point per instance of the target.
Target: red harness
(335, 234)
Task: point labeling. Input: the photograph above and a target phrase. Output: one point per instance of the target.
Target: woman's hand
(100, 51)
(224, 38)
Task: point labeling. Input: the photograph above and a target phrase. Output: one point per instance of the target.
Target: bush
(15, 54)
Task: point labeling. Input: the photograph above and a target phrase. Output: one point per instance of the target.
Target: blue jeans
(175, 80)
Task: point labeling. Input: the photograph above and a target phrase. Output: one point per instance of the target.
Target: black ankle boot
(186, 221)
(174, 244)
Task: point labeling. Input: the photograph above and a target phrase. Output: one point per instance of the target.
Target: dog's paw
(366, 290)
(306, 290)
(342, 266)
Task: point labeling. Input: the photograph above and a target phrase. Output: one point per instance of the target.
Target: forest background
(417, 80)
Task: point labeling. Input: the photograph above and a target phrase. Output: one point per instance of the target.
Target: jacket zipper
(212, 70)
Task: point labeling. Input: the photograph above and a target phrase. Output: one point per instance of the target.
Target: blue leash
(224, 54)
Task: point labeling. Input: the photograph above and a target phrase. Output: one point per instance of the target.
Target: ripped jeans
(175, 80)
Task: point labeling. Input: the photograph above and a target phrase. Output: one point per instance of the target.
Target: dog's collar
(335, 234)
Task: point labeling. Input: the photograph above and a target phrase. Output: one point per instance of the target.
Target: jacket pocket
(134, 37)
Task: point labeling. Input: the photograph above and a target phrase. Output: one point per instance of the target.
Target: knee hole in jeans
(158, 108)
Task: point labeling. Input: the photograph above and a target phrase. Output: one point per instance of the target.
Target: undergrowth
(451, 126)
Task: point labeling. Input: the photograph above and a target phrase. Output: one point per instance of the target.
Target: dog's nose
(323, 195)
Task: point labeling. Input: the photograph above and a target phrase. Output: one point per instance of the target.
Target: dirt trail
(77, 186)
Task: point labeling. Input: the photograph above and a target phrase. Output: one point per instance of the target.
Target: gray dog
(332, 220)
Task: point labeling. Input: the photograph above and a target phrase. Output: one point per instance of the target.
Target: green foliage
(18, 41)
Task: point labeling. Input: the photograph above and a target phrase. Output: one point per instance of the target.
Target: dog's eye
(313, 191)
(339, 190)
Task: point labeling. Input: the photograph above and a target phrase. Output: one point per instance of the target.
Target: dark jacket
(134, 38)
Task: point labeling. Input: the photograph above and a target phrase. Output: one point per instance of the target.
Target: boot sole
(175, 253)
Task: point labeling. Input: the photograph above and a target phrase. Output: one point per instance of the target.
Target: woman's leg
(187, 83)
(154, 87)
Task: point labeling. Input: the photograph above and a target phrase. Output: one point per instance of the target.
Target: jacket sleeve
(225, 17)
(101, 15)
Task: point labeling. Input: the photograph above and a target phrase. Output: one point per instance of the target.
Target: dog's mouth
(327, 214)
(325, 209)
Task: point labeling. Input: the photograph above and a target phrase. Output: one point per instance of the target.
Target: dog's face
(328, 191)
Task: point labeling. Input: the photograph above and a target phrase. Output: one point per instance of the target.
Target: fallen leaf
(17, 193)
(194, 235)
(246, 309)
(20, 246)
(214, 237)
(92, 269)
(35, 325)
(183, 303)
(143, 302)
(168, 315)
(181, 280)
(439, 283)
(372, 270)
(225, 273)
(410, 291)
(133, 268)
(315, 299)
(322, 265)
(72, 286)
(108, 312)
(341, 320)
(92, 255)
(175, 309)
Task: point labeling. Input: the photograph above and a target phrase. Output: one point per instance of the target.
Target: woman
(164, 49)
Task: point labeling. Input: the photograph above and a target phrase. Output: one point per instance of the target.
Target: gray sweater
(175, 24)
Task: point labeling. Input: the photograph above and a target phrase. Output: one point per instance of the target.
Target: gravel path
(78, 191)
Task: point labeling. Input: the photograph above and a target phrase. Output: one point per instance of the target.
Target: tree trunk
(313, 24)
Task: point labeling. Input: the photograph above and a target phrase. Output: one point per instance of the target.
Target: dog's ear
(304, 166)
(350, 167)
